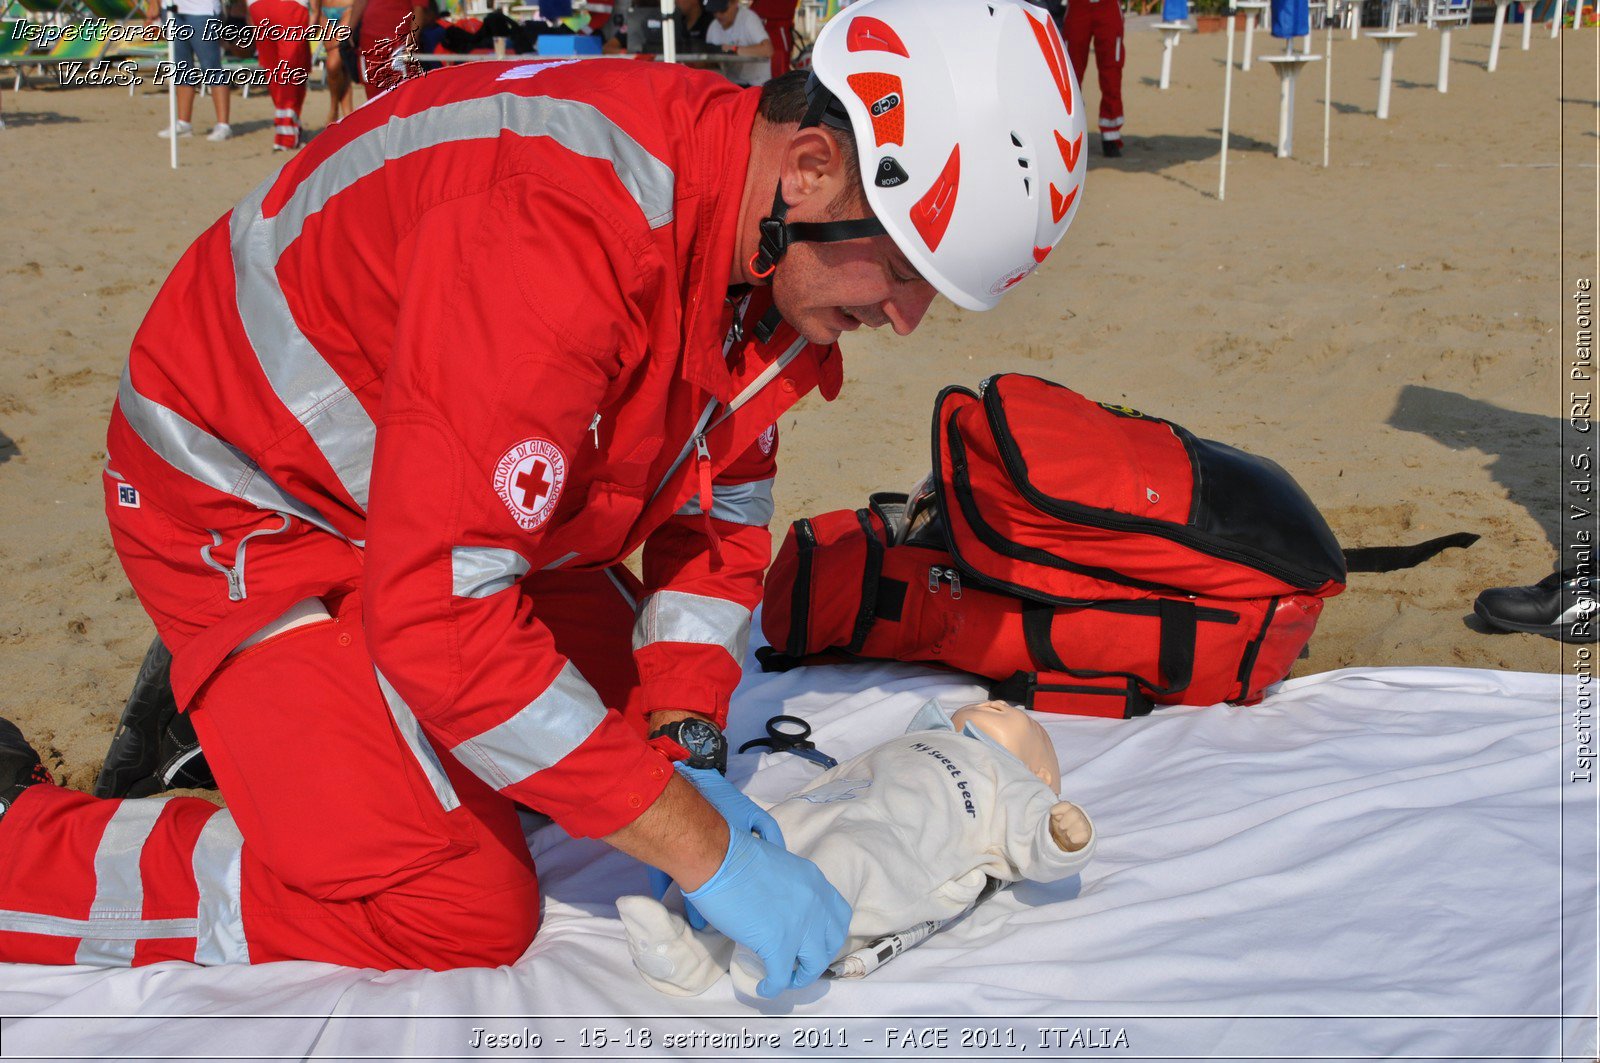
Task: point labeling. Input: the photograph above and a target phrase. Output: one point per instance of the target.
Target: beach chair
(14, 48)
(73, 44)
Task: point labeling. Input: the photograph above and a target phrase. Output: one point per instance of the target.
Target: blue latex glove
(779, 906)
(743, 815)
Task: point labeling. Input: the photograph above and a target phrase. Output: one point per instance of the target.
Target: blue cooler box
(568, 44)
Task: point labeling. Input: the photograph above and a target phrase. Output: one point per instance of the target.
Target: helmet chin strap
(777, 233)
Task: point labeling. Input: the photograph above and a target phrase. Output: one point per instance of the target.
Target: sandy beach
(1392, 329)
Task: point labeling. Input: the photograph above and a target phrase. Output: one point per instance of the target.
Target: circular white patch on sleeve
(529, 479)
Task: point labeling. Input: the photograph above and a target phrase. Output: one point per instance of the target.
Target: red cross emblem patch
(529, 479)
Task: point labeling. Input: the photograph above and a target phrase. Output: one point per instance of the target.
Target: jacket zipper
(705, 424)
(1016, 469)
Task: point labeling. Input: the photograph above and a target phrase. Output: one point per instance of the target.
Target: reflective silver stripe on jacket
(304, 382)
(676, 616)
(203, 457)
(539, 735)
(421, 749)
(218, 863)
(479, 571)
(749, 503)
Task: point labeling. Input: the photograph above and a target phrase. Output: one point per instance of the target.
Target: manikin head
(1017, 732)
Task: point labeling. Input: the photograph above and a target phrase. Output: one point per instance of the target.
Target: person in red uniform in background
(1100, 22)
(395, 421)
(283, 48)
(386, 30)
(778, 17)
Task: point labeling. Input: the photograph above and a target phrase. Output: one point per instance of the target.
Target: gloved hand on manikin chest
(908, 832)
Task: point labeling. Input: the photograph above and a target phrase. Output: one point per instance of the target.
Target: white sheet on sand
(1372, 864)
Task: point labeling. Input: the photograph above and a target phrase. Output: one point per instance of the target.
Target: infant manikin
(908, 832)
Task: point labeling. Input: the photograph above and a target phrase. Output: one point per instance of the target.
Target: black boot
(1560, 606)
(20, 766)
(1112, 148)
(154, 747)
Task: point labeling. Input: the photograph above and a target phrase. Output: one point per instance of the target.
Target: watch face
(699, 738)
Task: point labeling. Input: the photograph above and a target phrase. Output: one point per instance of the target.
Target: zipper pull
(935, 574)
(702, 461)
(235, 585)
(594, 430)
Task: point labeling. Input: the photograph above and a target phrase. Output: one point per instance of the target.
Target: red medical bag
(1086, 557)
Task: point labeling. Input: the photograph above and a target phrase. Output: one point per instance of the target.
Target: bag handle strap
(1394, 558)
(1175, 656)
(1110, 697)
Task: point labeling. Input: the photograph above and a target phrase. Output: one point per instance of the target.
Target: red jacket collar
(710, 205)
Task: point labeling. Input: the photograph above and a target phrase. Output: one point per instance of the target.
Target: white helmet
(970, 130)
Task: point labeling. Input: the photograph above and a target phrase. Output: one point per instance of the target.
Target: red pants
(781, 30)
(1101, 22)
(349, 837)
(284, 53)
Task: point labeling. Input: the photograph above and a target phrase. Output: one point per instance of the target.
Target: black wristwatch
(706, 746)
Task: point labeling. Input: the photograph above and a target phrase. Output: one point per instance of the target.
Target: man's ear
(813, 166)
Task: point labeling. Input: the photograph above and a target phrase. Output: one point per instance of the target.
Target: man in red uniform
(394, 422)
(1099, 21)
(778, 17)
(283, 48)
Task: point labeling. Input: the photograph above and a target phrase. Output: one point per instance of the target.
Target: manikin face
(1019, 733)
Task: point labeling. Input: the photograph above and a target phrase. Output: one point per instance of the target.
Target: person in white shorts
(198, 50)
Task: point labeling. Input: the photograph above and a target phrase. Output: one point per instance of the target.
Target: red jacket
(474, 330)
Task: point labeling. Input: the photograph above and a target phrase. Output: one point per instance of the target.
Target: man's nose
(905, 308)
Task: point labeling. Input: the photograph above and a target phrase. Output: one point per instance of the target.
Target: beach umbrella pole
(1227, 103)
(1327, 90)
(1444, 56)
(1499, 31)
(172, 81)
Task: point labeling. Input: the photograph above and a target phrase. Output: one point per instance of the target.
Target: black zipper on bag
(1247, 664)
(800, 597)
(962, 485)
(866, 615)
(1016, 470)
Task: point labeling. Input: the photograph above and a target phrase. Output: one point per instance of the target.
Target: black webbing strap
(776, 232)
(1178, 628)
(1174, 655)
(1113, 697)
(1037, 619)
(772, 660)
(1394, 558)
